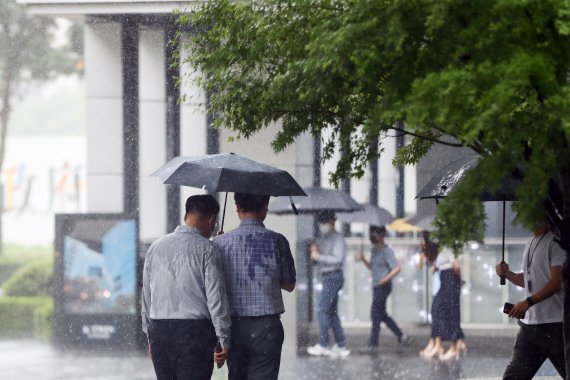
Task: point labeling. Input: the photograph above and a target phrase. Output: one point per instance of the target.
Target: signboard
(96, 280)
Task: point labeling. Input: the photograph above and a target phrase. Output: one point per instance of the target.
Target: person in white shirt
(540, 314)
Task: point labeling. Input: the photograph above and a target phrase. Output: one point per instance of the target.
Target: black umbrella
(445, 180)
(370, 214)
(450, 175)
(228, 172)
(317, 199)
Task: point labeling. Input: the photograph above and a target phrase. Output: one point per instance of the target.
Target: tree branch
(457, 145)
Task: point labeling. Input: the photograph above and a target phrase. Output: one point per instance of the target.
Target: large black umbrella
(450, 175)
(228, 172)
(445, 180)
(317, 199)
(370, 214)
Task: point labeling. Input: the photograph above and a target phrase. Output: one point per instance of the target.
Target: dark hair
(431, 248)
(202, 204)
(251, 202)
(325, 216)
(378, 229)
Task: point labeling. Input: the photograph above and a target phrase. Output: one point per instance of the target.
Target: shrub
(31, 280)
(25, 317)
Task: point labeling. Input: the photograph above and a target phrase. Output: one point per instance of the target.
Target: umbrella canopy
(317, 199)
(371, 214)
(425, 222)
(402, 225)
(445, 180)
(228, 172)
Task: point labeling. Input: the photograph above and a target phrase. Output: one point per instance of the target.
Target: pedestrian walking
(446, 308)
(258, 264)
(184, 301)
(329, 251)
(384, 268)
(540, 314)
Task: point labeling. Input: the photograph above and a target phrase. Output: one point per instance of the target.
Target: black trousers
(378, 313)
(535, 344)
(182, 349)
(255, 349)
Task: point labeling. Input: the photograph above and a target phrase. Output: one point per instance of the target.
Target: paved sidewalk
(486, 359)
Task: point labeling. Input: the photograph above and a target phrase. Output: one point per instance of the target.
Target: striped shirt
(256, 262)
(183, 279)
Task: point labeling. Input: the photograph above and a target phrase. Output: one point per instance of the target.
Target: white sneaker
(318, 350)
(339, 352)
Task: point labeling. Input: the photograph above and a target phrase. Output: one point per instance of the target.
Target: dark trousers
(182, 349)
(328, 308)
(535, 344)
(255, 349)
(378, 313)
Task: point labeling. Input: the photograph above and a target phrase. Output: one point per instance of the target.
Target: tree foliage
(492, 74)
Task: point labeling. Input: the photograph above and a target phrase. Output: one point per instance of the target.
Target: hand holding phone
(508, 307)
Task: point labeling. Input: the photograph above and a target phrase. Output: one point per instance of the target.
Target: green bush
(31, 280)
(16, 256)
(26, 317)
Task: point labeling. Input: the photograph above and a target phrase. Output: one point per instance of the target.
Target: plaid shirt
(256, 262)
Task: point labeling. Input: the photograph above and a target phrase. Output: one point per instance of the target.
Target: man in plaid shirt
(257, 264)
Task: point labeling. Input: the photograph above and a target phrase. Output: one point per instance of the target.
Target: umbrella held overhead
(228, 172)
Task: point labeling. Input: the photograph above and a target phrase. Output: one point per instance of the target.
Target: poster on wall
(96, 290)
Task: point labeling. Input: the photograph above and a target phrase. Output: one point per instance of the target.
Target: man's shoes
(339, 352)
(318, 350)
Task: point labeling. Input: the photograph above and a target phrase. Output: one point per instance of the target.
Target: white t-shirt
(445, 259)
(542, 253)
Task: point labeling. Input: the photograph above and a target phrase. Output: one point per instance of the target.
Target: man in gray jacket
(184, 301)
(328, 252)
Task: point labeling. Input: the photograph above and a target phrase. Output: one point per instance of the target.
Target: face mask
(324, 228)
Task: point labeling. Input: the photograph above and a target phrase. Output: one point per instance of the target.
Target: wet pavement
(486, 358)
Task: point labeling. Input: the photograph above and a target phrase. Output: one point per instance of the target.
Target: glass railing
(482, 295)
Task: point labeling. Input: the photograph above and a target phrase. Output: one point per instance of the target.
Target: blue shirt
(256, 262)
(382, 261)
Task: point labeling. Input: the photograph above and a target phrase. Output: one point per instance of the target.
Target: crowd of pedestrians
(207, 301)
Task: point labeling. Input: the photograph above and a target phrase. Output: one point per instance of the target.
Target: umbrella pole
(223, 215)
(503, 282)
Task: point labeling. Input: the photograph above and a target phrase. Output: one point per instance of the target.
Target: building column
(104, 98)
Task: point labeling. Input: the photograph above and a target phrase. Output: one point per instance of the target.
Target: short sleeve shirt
(256, 262)
(540, 255)
(382, 261)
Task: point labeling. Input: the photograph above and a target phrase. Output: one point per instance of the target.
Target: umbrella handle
(293, 206)
(223, 215)
(503, 281)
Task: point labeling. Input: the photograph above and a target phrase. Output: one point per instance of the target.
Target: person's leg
(161, 350)
(526, 358)
(325, 310)
(385, 291)
(265, 349)
(375, 316)
(552, 340)
(335, 320)
(195, 344)
(238, 354)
